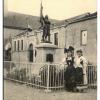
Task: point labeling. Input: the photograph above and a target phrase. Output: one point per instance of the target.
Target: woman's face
(69, 54)
(79, 54)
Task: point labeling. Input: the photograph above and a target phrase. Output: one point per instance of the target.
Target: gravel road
(15, 91)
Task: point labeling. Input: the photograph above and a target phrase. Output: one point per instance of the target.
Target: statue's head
(46, 17)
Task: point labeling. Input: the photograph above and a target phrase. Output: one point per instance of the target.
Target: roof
(81, 17)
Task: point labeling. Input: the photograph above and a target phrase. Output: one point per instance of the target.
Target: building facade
(79, 32)
(82, 34)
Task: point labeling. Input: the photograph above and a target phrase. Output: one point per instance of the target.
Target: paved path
(15, 91)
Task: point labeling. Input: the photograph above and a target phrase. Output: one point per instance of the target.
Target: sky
(55, 9)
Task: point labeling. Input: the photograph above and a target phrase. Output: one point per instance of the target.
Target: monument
(46, 50)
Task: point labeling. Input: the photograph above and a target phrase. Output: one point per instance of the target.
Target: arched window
(31, 54)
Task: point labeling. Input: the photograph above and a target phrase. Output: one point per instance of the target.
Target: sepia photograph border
(1, 50)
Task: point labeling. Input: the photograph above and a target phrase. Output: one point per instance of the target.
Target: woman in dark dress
(70, 72)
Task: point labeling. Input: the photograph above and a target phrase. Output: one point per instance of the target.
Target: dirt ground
(15, 91)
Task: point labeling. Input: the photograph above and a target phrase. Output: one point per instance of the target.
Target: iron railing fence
(43, 75)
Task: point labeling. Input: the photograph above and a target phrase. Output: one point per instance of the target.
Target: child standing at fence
(81, 67)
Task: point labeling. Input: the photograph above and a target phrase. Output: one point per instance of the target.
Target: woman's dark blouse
(70, 61)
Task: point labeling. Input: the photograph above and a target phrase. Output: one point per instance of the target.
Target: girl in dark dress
(70, 72)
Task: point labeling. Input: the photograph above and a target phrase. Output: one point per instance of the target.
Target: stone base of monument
(46, 40)
(46, 45)
(43, 49)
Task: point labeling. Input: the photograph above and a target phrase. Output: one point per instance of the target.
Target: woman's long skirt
(79, 75)
(70, 78)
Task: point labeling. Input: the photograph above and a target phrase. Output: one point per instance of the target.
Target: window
(18, 46)
(31, 54)
(14, 45)
(21, 44)
(84, 37)
(56, 38)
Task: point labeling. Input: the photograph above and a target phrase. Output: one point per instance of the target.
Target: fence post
(48, 89)
(10, 68)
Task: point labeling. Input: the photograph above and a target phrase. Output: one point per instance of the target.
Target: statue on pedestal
(46, 29)
(45, 24)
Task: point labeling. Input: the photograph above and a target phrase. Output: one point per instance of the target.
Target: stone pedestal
(43, 49)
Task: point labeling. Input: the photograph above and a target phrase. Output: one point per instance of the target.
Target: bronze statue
(45, 25)
(46, 29)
